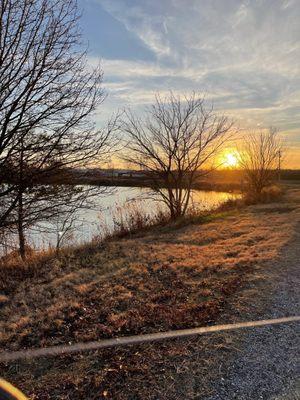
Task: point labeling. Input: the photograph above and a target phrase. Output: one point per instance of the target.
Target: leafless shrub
(131, 218)
(260, 157)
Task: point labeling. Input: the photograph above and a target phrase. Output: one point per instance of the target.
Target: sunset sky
(244, 55)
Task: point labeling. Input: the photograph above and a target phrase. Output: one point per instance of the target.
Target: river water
(109, 210)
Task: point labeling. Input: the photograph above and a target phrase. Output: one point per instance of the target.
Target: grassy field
(166, 278)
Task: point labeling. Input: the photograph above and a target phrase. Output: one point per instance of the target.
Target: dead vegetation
(268, 194)
(174, 278)
(167, 278)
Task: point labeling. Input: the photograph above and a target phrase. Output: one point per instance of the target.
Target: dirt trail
(267, 365)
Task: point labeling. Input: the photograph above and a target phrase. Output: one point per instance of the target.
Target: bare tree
(65, 228)
(177, 137)
(48, 94)
(260, 156)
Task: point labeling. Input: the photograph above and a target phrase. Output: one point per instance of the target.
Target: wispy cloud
(242, 53)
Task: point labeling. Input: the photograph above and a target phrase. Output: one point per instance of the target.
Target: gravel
(267, 367)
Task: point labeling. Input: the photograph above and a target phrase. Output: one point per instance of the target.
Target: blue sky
(244, 55)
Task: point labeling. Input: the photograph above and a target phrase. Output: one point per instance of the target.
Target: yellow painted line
(137, 339)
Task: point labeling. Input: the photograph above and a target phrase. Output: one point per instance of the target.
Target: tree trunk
(22, 242)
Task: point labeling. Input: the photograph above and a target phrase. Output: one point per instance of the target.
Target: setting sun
(230, 159)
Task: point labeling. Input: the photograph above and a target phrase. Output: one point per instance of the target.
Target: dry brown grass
(159, 281)
(165, 279)
(269, 194)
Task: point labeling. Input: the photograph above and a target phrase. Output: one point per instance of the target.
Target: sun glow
(229, 159)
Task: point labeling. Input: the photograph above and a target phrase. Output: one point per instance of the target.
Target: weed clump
(268, 194)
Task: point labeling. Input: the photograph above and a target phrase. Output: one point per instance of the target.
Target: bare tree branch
(48, 95)
(172, 143)
(259, 156)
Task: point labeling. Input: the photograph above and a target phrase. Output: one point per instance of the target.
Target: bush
(131, 218)
(268, 194)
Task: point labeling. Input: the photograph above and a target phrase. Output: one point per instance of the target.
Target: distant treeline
(226, 179)
(290, 174)
(220, 179)
(225, 176)
(125, 177)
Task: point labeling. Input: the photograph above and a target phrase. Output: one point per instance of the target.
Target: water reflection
(93, 222)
